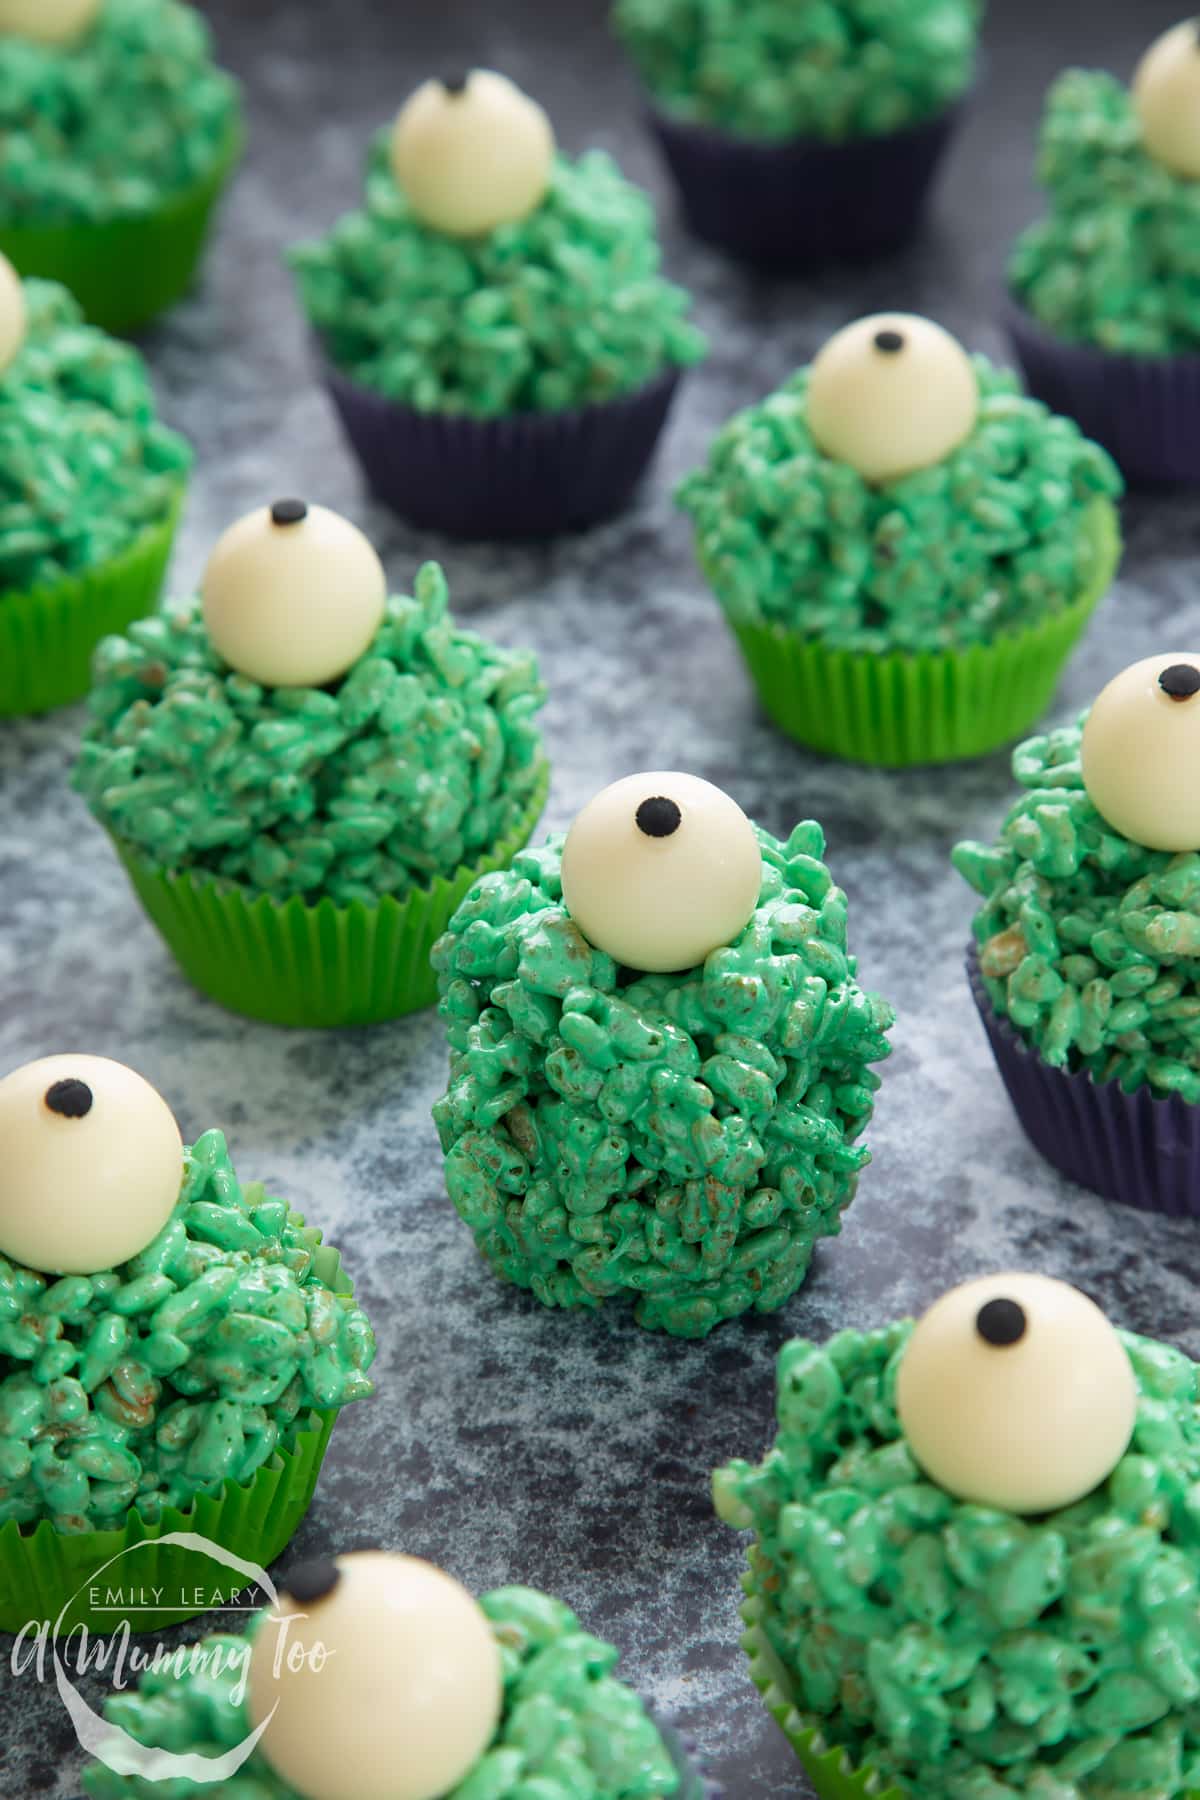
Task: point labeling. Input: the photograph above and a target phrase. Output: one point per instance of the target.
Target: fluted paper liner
(1145, 410)
(1140, 1148)
(530, 475)
(828, 1767)
(48, 633)
(797, 204)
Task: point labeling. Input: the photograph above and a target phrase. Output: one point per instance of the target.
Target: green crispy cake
(680, 1139)
(190, 1365)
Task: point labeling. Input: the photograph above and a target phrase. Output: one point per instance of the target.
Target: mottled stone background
(507, 1442)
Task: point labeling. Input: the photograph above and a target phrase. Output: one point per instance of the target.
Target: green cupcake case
(828, 1768)
(324, 965)
(902, 710)
(48, 633)
(126, 270)
(45, 1573)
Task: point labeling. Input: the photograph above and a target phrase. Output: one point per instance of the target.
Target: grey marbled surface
(507, 1442)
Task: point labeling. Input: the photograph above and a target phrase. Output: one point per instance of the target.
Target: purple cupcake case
(1136, 1148)
(1145, 410)
(793, 205)
(530, 475)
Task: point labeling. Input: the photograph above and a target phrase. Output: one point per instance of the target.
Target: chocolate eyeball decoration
(91, 1164)
(12, 313)
(891, 394)
(660, 869)
(472, 152)
(381, 1679)
(47, 21)
(1141, 752)
(293, 595)
(1016, 1392)
(1166, 97)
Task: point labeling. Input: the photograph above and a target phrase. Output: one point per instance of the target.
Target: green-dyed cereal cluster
(994, 538)
(1089, 943)
(563, 308)
(116, 123)
(1116, 259)
(568, 1731)
(777, 69)
(187, 1366)
(681, 1140)
(424, 757)
(960, 1651)
(84, 465)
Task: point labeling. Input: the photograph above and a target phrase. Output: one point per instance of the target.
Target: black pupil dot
(71, 1099)
(288, 512)
(1001, 1322)
(658, 817)
(313, 1580)
(457, 83)
(889, 341)
(1180, 681)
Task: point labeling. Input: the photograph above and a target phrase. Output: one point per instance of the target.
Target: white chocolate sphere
(1141, 752)
(1166, 97)
(891, 394)
(293, 595)
(409, 1698)
(1015, 1392)
(472, 154)
(91, 1164)
(660, 869)
(47, 21)
(12, 313)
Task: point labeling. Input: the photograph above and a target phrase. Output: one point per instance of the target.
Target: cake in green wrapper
(775, 69)
(426, 756)
(992, 538)
(118, 134)
(90, 490)
(905, 548)
(975, 1564)
(562, 308)
(173, 1345)
(127, 116)
(672, 1118)
(85, 466)
(526, 1705)
(303, 775)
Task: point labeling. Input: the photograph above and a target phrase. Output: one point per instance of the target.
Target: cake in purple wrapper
(1104, 309)
(801, 133)
(492, 326)
(1086, 957)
